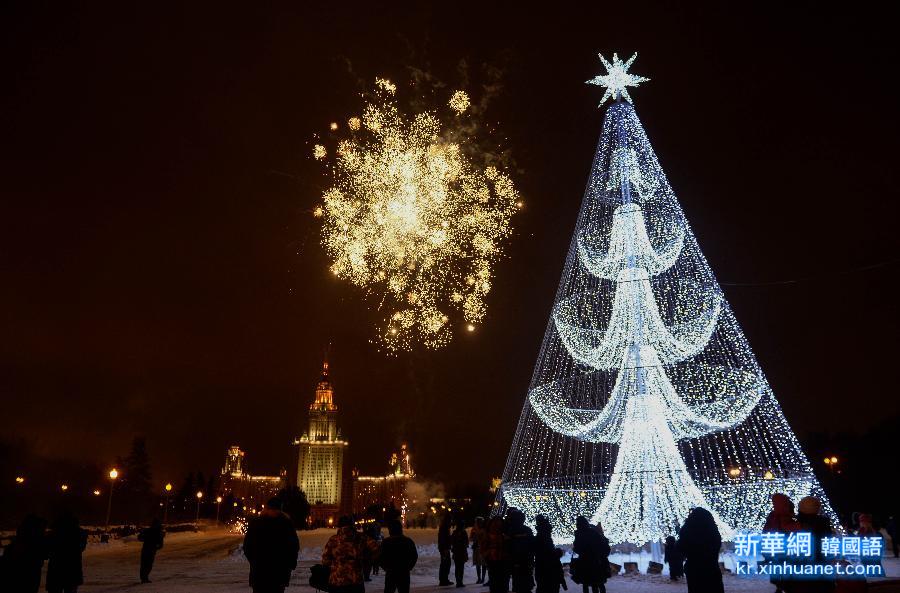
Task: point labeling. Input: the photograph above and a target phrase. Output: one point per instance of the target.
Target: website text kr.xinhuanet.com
(787, 569)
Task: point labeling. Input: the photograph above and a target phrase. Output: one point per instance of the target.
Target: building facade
(252, 492)
(387, 490)
(320, 460)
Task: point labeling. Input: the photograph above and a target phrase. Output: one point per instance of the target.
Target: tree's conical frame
(646, 399)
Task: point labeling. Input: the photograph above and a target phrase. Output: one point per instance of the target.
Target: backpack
(573, 570)
(318, 577)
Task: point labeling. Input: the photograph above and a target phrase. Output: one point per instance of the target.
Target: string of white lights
(646, 399)
(740, 393)
(634, 313)
(629, 247)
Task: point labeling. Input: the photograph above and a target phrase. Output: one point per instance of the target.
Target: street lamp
(166, 510)
(20, 480)
(199, 496)
(218, 504)
(113, 474)
(831, 462)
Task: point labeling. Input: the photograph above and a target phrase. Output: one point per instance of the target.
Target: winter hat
(782, 504)
(810, 505)
(345, 521)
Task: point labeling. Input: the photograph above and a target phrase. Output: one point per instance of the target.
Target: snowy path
(187, 562)
(210, 562)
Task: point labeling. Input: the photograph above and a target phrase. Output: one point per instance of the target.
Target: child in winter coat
(674, 559)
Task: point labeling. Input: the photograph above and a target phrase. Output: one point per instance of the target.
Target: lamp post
(113, 474)
(199, 497)
(166, 509)
(218, 505)
(831, 462)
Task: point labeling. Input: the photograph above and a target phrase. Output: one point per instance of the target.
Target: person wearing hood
(548, 570)
(271, 546)
(521, 551)
(810, 520)
(66, 544)
(23, 559)
(592, 564)
(699, 541)
(781, 519)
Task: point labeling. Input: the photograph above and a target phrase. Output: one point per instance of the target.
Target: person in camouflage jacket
(344, 555)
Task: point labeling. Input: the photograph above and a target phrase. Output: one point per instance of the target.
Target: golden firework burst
(459, 102)
(415, 220)
(386, 85)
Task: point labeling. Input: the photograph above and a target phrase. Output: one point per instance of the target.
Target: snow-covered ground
(211, 561)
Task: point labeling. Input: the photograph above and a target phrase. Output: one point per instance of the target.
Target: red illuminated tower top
(324, 401)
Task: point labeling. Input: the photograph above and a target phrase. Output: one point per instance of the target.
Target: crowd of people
(507, 555)
(807, 518)
(61, 547)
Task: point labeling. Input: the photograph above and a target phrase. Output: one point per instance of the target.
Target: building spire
(325, 360)
(324, 391)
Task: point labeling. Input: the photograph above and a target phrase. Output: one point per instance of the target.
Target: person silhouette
(271, 546)
(66, 543)
(152, 538)
(699, 542)
(23, 559)
(398, 557)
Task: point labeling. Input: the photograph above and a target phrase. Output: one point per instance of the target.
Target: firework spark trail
(413, 220)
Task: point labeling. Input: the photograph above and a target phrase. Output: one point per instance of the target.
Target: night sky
(162, 274)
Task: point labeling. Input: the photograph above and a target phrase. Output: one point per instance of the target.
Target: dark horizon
(164, 276)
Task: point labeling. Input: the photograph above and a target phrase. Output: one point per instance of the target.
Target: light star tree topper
(617, 78)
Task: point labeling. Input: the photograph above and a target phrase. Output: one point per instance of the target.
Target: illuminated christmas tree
(646, 399)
